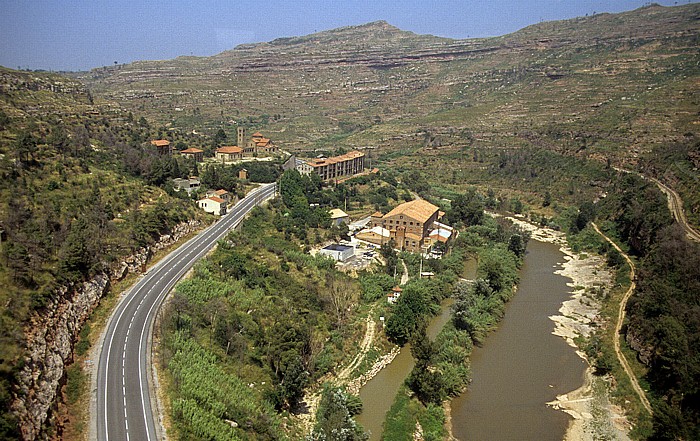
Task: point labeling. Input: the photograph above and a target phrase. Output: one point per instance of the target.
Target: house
(213, 204)
(338, 216)
(336, 167)
(410, 226)
(221, 194)
(375, 235)
(242, 174)
(163, 146)
(229, 153)
(194, 153)
(394, 295)
(186, 184)
(341, 253)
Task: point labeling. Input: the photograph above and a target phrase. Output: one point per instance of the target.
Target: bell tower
(241, 137)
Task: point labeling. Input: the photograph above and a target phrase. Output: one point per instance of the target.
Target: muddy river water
(520, 367)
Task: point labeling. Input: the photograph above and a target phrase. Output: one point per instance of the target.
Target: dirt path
(364, 348)
(404, 276)
(675, 205)
(620, 320)
(313, 398)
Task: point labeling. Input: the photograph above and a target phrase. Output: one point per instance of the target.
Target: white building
(338, 252)
(213, 205)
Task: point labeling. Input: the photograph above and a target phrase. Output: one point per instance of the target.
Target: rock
(51, 334)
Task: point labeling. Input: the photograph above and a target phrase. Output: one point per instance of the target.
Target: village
(414, 226)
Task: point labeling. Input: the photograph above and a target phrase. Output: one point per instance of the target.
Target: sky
(80, 35)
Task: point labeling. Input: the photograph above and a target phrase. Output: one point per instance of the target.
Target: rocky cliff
(51, 334)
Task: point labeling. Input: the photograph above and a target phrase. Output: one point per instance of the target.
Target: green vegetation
(334, 417)
(263, 313)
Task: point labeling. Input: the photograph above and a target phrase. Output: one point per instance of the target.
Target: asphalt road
(124, 410)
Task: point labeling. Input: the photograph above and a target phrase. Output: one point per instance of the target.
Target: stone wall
(52, 333)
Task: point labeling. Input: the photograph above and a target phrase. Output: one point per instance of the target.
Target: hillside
(610, 87)
(604, 85)
(76, 210)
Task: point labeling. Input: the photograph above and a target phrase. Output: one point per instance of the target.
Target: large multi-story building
(409, 225)
(336, 167)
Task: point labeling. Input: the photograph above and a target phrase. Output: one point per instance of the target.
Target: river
(379, 393)
(521, 366)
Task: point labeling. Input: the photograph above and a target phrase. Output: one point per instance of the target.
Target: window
(410, 223)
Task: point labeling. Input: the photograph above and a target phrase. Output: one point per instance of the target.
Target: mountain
(604, 86)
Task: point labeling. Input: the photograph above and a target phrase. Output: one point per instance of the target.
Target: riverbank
(594, 417)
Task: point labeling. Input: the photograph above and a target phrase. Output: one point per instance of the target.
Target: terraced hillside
(617, 88)
(610, 85)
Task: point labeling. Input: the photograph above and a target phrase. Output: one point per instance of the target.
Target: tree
(339, 297)
(334, 420)
(468, 208)
(25, 146)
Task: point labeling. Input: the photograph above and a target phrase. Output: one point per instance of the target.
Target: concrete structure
(338, 252)
(229, 153)
(341, 166)
(193, 153)
(409, 226)
(213, 205)
(163, 146)
(338, 216)
(186, 184)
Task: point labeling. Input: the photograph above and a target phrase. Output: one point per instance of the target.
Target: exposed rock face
(51, 334)
(644, 353)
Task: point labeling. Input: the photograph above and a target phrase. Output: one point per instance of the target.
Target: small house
(213, 204)
(193, 153)
(394, 295)
(242, 174)
(338, 217)
(229, 153)
(163, 146)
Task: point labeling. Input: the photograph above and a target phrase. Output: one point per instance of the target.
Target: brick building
(348, 164)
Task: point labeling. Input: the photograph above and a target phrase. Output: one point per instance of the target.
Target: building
(341, 166)
(213, 204)
(242, 174)
(193, 153)
(221, 194)
(341, 253)
(394, 295)
(409, 225)
(338, 216)
(163, 146)
(186, 184)
(229, 153)
(257, 145)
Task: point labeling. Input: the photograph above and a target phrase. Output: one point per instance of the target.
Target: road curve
(124, 410)
(618, 326)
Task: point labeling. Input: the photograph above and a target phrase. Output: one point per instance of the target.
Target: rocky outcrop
(644, 352)
(51, 334)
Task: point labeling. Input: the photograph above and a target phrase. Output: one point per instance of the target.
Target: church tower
(241, 137)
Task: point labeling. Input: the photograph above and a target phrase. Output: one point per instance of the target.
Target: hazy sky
(80, 35)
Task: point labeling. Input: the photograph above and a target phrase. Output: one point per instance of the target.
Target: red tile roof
(160, 143)
(215, 199)
(192, 150)
(229, 149)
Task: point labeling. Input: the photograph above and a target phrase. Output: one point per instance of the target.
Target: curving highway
(124, 410)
